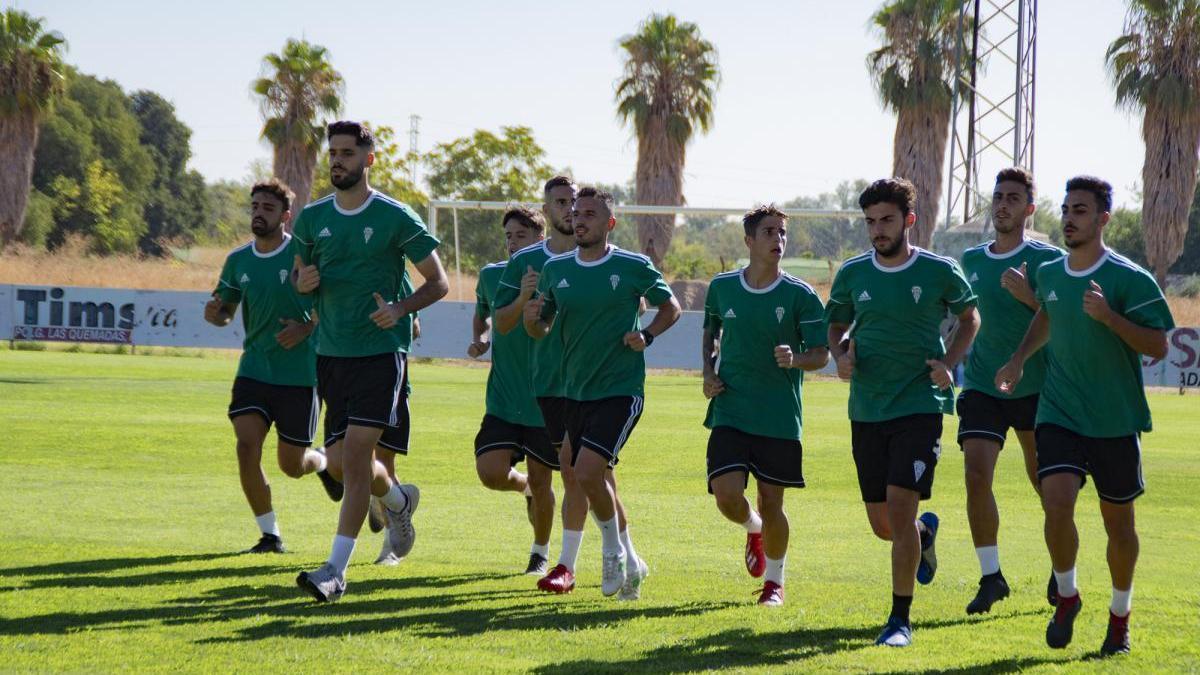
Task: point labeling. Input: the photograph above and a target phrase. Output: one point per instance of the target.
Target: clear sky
(795, 113)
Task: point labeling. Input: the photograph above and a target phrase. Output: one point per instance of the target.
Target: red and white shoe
(559, 580)
(771, 594)
(756, 560)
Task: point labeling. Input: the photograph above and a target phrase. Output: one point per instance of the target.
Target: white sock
(395, 499)
(1066, 583)
(571, 539)
(610, 536)
(775, 570)
(339, 557)
(528, 492)
(541, 549)
(266, 523)
(627, 544)
(753, 524)
(322, 461)
(1122, 602)
(989, 559)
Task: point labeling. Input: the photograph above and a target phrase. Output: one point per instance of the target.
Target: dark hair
(1097, 186)
(363, 137)
(755, 216)
(596, 193)
(898, 191)
(558, 181)
(528, 217)
(277, 189)
(1017, 174)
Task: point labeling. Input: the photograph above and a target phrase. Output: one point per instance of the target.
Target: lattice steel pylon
(993, 113)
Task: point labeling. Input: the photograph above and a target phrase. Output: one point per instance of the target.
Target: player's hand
(293, 333)
(307, 276)
(635, 341)
(388, 313)
(713, 386)
(1016, 282)
(477, 349)
(213, 311)
(1096, 305)
(529, 284)
(940, 374)
(1008, 376)
(533, 310)
(784, 357)
(845, 362)
(416, 327)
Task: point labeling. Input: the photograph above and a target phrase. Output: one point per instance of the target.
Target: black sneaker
(269, 543)
(334, 489)
(1052, 590)
(1116, 641)
(992, 589)
(1062, 626)
(928, 565)
(537, 565)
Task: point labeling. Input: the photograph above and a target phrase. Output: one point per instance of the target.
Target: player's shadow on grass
(85, 573)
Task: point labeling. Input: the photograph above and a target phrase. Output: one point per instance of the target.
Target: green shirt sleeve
(510, 285)
(810, 321)
(482, 308)
(228, 288)
(412, 237)
(958, 295)
(840, 308)
(1142, 302)
(302, 237)
(546, 291)
(712, 317)
(656, 291)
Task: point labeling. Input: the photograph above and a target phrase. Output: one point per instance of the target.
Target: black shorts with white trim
(989, 417)
(903, 452)
(521, 441)
(602, 426)
(1115, 464)
(778, 461)
(366, 391)
(293, 410)
(553, 414)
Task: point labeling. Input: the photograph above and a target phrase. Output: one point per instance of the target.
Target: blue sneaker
(896, 633)
(928, 565)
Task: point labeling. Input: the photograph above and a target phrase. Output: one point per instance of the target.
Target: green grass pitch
(122, 508)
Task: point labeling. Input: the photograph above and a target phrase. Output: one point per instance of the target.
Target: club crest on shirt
(283, 275)
(614, 280)
(779, 315)
(367, 232)
(916, 291)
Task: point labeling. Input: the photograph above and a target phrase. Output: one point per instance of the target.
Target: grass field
(123, 508)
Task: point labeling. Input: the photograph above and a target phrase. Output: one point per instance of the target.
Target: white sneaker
(612, 573)
(400, 527)
(323, 583)
(386, 557)
(634, 576)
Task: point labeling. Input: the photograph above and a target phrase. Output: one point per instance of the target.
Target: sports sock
(610, 536)
(395, 498)
(541, 549)
(528, 492)
(266, 523)
(1066, 583)
(1122, 602)
(339, 557)
(900, 606)
(989, 559)
(753, 524)
(627, 544)
(322, 461)
(775, 570)
(571, 539)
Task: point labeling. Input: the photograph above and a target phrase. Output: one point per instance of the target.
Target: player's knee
(291, 466)
(590, 476)
(729, 501)
(249, 451)
(540, 482)
(880, 527)
(978, 477)
(771, 506)
(491, 475)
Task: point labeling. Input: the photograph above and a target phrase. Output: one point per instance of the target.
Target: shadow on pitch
(105, 572)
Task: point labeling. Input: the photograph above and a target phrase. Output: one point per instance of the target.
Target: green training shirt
(545, 355)
(1003, 318)
(897, 314)
(261, 283)
(1093, 379)
(597, 303)
(509, 391)
(359, 253)
(760, 397)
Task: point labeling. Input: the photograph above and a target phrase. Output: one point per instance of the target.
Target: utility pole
(414, 136)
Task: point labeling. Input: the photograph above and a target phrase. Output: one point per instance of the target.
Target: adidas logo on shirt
(245, 278)
(864, 296)
(1052, 297)
(730, 314)
(974, 277)
(563, 284)
(325, 233)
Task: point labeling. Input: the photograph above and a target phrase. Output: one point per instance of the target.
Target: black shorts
(396, 438)
(520, 440)
(778, 461)
(901, 452)
(1114, 463)
(293, 410)
(366, 391)
(989, 417)
(553, 415)
(602, 426)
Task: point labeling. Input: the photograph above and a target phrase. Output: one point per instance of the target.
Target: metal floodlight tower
(993, 111)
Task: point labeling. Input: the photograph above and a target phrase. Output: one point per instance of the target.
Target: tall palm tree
(1155, 68)
(913, 72)
(299, 87)
(32, 75)
(665, 94)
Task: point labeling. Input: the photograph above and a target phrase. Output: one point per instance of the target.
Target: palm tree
(1155, 68)
(32, 75)
(299, 87)
(913, 72)
(665, 94)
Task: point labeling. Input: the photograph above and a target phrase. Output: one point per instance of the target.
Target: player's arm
(1036, 337)
(1018, 282)
(218, 312)
(842, 351)
(293, 332)
(710, 346)
(666, 316)
(814, 358)
(481, 323)
(941, 370)
(436, 285)
(508, 316)
(1142, 339)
